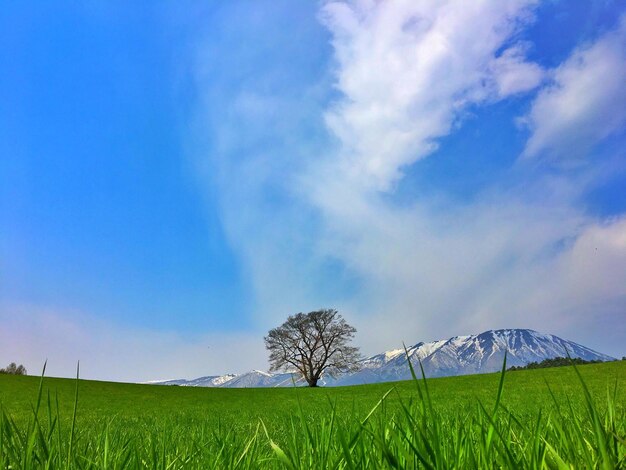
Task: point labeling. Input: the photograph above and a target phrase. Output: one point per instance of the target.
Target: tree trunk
(312, 382)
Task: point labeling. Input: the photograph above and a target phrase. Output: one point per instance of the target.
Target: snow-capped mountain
(460, 355)
(254, 378)
(473, 354)
(208, 381)
(258, 378)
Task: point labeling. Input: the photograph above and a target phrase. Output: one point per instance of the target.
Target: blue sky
(176, 181)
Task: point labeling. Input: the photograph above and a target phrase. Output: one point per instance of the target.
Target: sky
(178, 178)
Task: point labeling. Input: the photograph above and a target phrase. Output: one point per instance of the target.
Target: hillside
(131, 426)
(526, 389)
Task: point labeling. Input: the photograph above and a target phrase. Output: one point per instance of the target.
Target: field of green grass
(547, 418)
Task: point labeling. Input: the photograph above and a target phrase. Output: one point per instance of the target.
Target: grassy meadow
(547, 418)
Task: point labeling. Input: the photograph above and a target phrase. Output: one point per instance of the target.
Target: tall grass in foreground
(418, 434)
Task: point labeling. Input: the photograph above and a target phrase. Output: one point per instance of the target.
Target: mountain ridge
(458, 355)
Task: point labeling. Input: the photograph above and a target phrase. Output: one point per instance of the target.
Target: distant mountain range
(460, 355)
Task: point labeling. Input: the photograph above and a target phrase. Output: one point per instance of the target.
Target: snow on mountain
(208, 381)
(257, 378)
(473, 354)
(460, 355)
(254, 378)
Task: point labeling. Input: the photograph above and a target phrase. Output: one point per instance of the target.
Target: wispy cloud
(408, 70)
(512, 257)
(584, 102)
(304, 155)
(317, 221)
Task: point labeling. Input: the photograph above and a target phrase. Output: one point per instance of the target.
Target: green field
(545, 418)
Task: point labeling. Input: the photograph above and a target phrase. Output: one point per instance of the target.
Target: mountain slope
(460, 355)
(208, 381)
(472, 354)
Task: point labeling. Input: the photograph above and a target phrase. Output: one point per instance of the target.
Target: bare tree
(314, 344)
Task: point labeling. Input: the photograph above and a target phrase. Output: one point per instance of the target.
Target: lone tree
(313, 343)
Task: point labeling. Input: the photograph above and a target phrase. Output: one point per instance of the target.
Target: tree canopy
(554, 362)
(313, 344)
(14, 369)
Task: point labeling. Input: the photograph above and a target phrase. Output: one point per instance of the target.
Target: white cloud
(431, 271)
(512, 74)
(407, 69)
(585, 101)
(406, 72)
